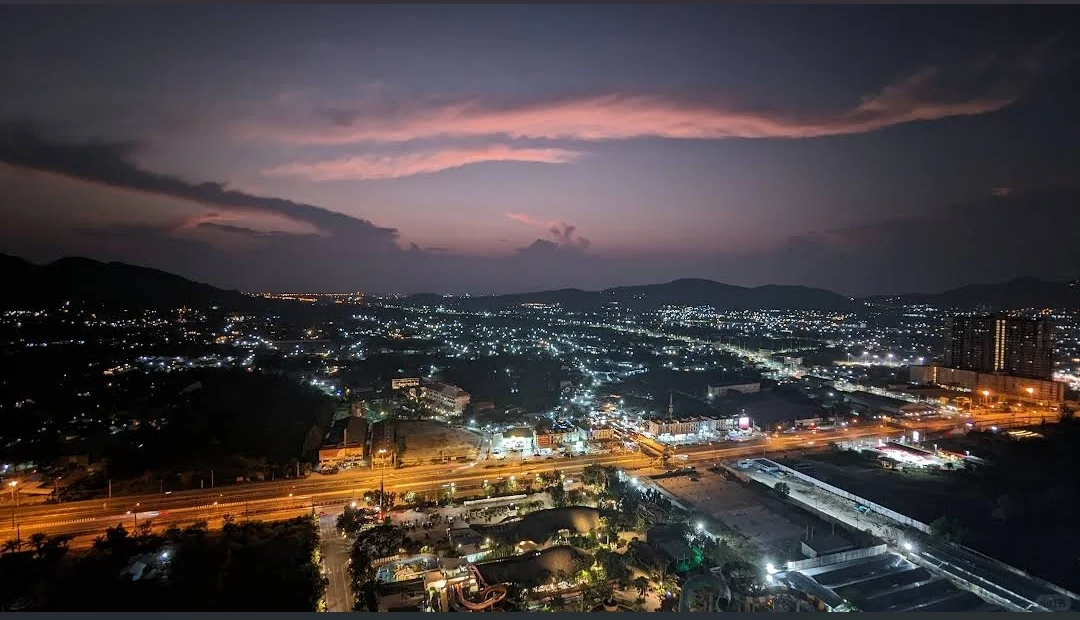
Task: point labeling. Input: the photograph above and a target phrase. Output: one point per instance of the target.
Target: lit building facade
(404, 383)
(1020, 347)
(447, 399)
(991, 386)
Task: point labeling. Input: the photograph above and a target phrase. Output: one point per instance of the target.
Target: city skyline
(512, 149)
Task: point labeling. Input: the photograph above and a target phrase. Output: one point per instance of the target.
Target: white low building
(447, 399)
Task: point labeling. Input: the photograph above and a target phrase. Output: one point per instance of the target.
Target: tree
(947, 528)
(351, 520)
(12, 545)
(558, 494)
(614, 565)
(782, 489)
(665, 581)
(144, 530)
(115, 536)
(642, 585)
(594, 475)
(37, 541)
(373, 497)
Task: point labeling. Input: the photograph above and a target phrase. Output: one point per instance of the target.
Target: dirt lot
(425, 441)
(773, 526)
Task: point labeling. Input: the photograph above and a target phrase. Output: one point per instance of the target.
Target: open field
(772, 526)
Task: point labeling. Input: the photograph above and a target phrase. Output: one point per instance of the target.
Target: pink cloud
(929, 94)
(529, 220)
(367, 167)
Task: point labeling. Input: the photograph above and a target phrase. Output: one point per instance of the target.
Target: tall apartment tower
(1004, 345)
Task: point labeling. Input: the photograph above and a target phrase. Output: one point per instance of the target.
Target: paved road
(335, 560)
(261, 499)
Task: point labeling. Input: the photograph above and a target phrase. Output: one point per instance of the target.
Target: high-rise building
(1018, 347)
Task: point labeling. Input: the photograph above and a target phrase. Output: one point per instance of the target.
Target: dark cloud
(26, 145)
(230, 228)
(566, 234)
(1033, 233)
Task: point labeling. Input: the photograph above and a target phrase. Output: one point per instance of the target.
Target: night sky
(514, 148)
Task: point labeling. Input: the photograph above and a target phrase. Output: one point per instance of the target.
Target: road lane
(335, 560)
(254, 499)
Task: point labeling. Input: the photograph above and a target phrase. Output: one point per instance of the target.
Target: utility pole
(382, 487)
(110, 489)
(14, 484)
(211, 478)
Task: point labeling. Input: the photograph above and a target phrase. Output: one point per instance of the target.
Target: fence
(836, 558)
(494, 500)
(878, 508)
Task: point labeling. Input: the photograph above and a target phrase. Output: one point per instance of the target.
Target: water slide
(488, 595)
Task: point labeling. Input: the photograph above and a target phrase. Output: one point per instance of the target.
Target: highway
(286, 498)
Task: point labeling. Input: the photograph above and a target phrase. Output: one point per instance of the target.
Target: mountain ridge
(77, 278)
(122, 284)
(683, 291)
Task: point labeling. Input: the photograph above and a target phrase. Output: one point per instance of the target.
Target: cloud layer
(1022, 233)
(369, 167)
(929, 94)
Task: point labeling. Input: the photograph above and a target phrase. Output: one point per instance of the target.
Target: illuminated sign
(744, 423)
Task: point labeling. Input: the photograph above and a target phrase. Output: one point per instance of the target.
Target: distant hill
(1018, 293)
(696, 292)
(118, 284)
(130, 286)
